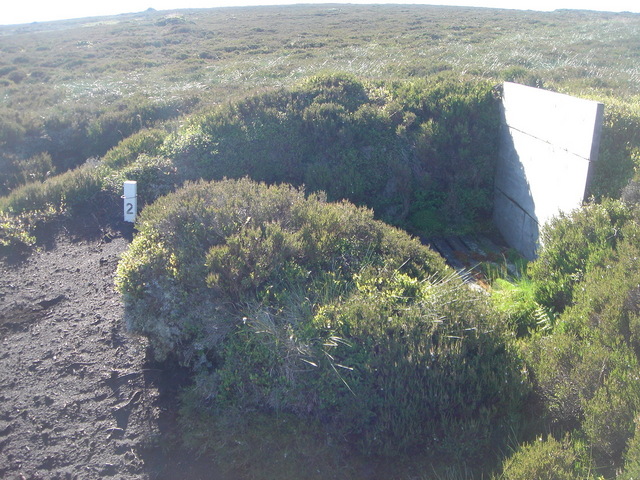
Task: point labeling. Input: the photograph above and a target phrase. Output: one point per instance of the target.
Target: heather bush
(156, 176)
(454, 128)
(607, 312)
(572, 245)
(36, 168)
(332, 133)
(15, 233)
(283, 303)
(426, 366)
(217, 240)
(632, 456)
(409, 150)
(586, 372)
(619, 154)
(609, 415)
(15, 171)
(571, 375)
(63, 135)
(72, 190)
(148, 141)
(11, 132)
(128, 117)
(608, 303)
(82, 188)
(548, 459)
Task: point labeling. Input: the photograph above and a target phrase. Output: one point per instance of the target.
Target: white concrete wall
(548, 142)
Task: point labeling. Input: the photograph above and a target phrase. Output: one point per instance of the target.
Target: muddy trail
(78, 397)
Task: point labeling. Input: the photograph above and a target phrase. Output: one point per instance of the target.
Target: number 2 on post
(130, 200)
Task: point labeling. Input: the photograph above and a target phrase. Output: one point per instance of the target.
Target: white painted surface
(130, 200)
(548, 143)
(561, 120)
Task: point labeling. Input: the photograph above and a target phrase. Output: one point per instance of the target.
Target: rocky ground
(78, 398)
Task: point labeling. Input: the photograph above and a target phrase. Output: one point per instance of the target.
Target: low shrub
(70, 191)
(586, 372)
(130, 116)
(282, 303)
(547, 459)
(572, 245)
(155, 176)
(391, 147)
(146, 141)
(426, 368)
(619, 154)
(452, 127)
(63, 135)
(217, 240)
(36, 168)
(586, 385)
(607, 312)
(632, 456)
(11, 131)
(15, 171)
(14, 233)
(610, 413)
(18, 232)
(402, 149)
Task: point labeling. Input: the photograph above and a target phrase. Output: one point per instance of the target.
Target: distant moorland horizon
(44, 11)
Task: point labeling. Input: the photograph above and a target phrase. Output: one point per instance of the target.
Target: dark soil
(78, 397)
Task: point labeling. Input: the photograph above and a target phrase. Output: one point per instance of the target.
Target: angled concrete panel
(523, 232)
(561, 120)
(547, 145)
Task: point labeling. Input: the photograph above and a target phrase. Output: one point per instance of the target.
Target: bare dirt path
(77, 399)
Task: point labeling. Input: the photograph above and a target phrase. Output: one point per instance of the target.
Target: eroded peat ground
(77, 396)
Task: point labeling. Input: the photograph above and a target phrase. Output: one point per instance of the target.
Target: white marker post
(130, 200)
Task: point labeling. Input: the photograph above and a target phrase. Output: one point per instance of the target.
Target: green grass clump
(286, 304)
(517, 301)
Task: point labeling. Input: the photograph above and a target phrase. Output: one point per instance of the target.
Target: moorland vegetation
(275, 148)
